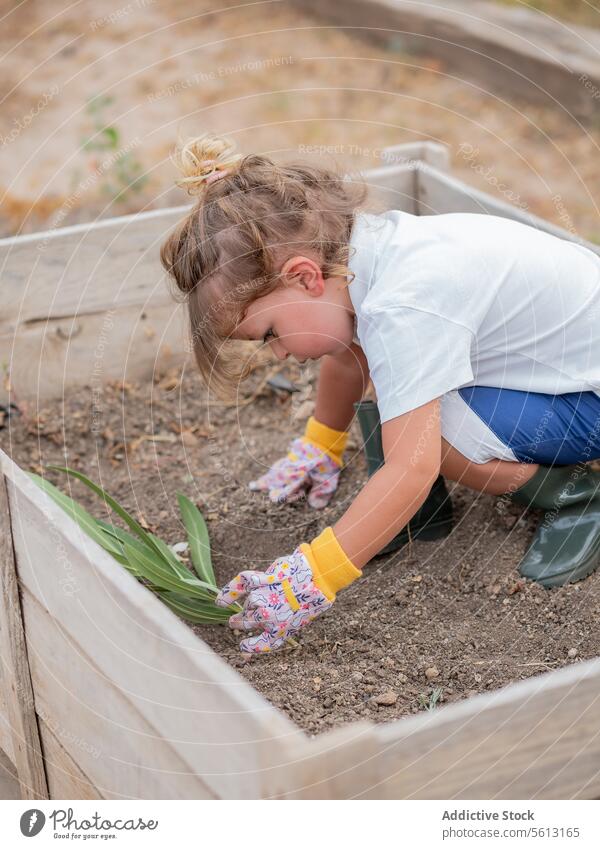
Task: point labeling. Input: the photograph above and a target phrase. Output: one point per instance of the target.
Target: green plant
(429, 702)
(126, 171)
(147, 557)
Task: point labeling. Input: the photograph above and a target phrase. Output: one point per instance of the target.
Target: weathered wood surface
(65, 778)
(513, 51)
(26, 752)
(9, 785)
(5, 734)
(117, 750)
(537, 739)
(338, 764)
(86, 268)
(222, 730)
(432, 153)
(438, 193)
(50, 359)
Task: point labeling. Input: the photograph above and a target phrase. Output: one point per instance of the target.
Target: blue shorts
(486, 423)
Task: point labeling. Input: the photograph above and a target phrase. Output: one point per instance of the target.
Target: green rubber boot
(553, 487)
(566, 544)
(433, 520)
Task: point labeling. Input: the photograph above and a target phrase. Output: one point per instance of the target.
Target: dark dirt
(450, 615)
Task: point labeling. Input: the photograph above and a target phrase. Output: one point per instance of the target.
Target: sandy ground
(450, 617)
(581, 12)
(270, 76)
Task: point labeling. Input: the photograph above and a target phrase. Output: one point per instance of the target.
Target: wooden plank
(5, 735)
(439, 193)
(338, 764)
(434, 153)
(392, 187)
(26, 747)
(47, 359)
(537, 739)
(102, 732)
(84, 269)
(9, 784)
(65, 778)
(221, 728)
(517, 52)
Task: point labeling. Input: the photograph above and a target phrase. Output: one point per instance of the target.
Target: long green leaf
(194, 611)
(80, 515)
(178, 567)
(117, 532)
(179, 570)
(120, 511)
(197, 534)
(178, 588)
(149, 569)
(153, 569)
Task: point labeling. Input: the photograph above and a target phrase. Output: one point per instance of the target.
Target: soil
(433, 621)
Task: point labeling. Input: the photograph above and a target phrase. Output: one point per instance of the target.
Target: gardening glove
(313, 463)
(290, 593)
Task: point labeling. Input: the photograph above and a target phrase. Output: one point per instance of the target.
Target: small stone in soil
(572, 653)
(431, 673)
(388, 698)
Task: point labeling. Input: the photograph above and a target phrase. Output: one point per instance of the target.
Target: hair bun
(203, 159)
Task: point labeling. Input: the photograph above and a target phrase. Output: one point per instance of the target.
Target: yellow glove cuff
(331, 441)
(332, 571)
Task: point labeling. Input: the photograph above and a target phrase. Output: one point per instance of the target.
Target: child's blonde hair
(252, 214)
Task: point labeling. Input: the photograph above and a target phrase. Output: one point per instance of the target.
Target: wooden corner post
(15, 674)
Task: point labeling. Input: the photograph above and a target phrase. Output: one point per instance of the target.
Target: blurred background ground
(96, 93)
(580, 12)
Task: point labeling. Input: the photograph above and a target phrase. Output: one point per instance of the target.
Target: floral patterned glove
(313, 463)
(291, 593)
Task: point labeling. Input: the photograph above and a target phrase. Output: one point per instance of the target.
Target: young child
(481, 336)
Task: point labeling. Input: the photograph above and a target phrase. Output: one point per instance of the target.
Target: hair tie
(205, 159)
(216, 174)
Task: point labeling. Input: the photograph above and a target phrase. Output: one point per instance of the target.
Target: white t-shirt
(459, 299)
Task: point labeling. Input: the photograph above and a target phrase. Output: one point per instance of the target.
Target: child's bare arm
(343, 379)
(299, 587)
(390, 498)
(314, 460)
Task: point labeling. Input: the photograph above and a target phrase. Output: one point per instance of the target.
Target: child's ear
(303, 271)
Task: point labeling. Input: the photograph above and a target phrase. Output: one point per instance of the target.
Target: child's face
(306, 317)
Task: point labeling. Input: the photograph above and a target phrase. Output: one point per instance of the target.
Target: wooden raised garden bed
(104, 693)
